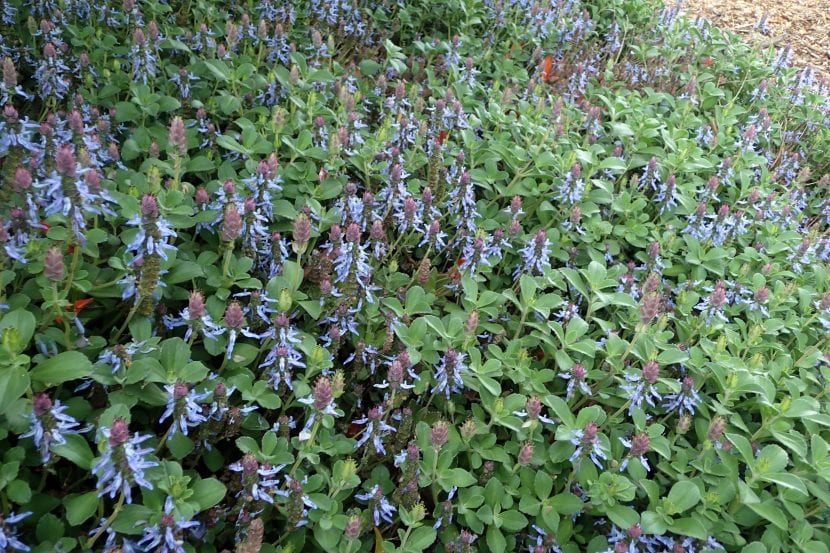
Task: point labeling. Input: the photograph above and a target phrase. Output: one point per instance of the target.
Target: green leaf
(126, 111)
(495, 539)
(513, 520)
(218, 69)
(455, 477)
(76, 449)
(786, 480)
(770, 511)
(652, 523)
(81, 507)
(689, 527)
(208, 492)
(421, 538)
(369, 67)
(566, 503)
(683, 496)
(561, 409)
(183, 271)
(23, 322)
(542, 484)
(623, 516)
(19, 491)
(672, 356)
(63, 367)
(131, 520)
(14, 381)
(49, 528)
(773, 458)
(180, 445)
(175, 354)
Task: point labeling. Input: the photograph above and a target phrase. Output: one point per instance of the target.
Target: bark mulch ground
(804, 25)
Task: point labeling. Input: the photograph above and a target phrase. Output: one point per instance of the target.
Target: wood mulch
(803, 24)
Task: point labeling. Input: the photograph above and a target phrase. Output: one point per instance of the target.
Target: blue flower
(49, 424)
(587, 438)
(686, 401)
(381, 508)
(573, 187)
(536, 256)
(284, 355)
(258, 480)
(8, 532)
(182, 406)
(543, 542)
(168, 535)
(376, 428)
(123, 462)
(448, 374)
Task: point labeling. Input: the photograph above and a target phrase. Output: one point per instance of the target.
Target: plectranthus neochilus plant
(407, 276)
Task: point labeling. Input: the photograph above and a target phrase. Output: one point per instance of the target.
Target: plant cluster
(376, 275)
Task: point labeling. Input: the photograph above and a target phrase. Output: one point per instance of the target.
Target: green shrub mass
(413, 275)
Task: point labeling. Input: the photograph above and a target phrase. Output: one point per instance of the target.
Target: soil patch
(805, 25)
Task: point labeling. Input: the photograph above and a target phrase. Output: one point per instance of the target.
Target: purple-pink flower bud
(65, 161)
(232, 223)
(234, 316)
(322, 394)
(53, 267)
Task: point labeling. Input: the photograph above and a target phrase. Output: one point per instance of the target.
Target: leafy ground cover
(406, 276)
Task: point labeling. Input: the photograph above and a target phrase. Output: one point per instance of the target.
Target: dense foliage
(365, 275)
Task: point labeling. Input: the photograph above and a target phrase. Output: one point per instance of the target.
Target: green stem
(521, 324)
(226, 262)
(76, 254)
(405, 537)
(130, 315)
(313, 435)
(108, 522)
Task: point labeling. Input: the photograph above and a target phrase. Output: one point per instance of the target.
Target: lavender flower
(446, 517)
(642, 387)
(144, 56)
(650, 179)
(182, 407)
(448, 374)
(323, 401)
(396, 375)
(123, 462)
(49, 425)
(8, 532)
(586, 442)
(121, 355)
(536, 256)
(284, 355)
(685, 401)
(196, 318)
(637, 446)
(153, 232)
(74, 192)
(573, 187)
(667, 195)
(352, 263)
(53, 74)
(258, 482)
(184, 79)
(235, 323)
(715, 304)
(381, 508)
(576, 377)
(533, 412)
(543, 543)
(168, 535)
(298, 503)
